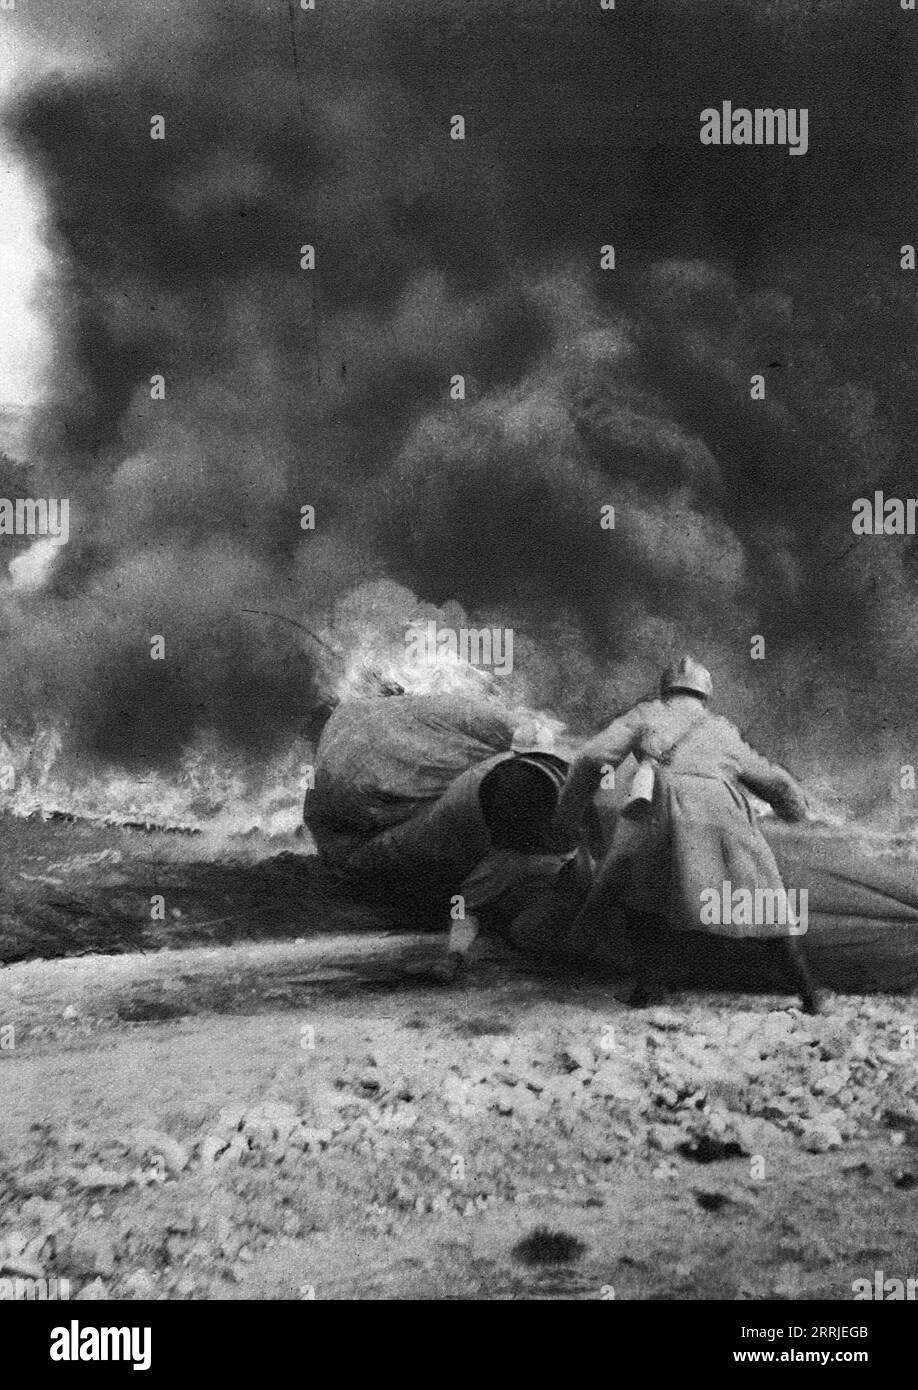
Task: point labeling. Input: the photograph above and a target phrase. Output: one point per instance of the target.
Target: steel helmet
(687, 674)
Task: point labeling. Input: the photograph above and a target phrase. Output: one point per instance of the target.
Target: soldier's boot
(811, 997)
(649, 944)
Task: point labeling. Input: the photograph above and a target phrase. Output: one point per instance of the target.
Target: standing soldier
(689, 827)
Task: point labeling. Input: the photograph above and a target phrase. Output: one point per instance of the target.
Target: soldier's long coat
(699, 831)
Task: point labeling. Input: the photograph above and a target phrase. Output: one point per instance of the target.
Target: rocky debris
(212, 1147)
(39, 1181)
(140, 1284)
(610, 1081)
(17, 1257)
(578, 1058)
(23, 1267)
(95, 1291)
(666, 1138)
(756, 1080)
(95, 1178)
(273, 1131)
(669, 1020)
(708, 1084)
(25, 1251)
(755, 1134)
(48, 1216)
(90, 1251)
(153, 1146)
(820, 1135)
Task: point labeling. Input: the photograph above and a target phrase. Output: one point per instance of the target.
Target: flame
(218, 791)
(375, 667)
(213, 791)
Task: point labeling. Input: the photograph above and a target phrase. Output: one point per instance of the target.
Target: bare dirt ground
(295, 1118)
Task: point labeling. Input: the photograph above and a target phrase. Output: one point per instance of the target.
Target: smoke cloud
(584, 388)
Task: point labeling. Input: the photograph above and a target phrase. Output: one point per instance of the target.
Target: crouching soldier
(530, 884)
(690, 831)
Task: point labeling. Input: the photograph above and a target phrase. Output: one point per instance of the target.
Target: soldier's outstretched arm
(772, 783)
(606, 749)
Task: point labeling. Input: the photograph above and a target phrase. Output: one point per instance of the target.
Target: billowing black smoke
(584, 387)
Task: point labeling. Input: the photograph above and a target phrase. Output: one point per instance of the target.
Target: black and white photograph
(459, 663)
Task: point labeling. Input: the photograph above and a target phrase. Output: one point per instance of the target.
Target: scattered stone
(399, 1118)
(13, 1243)
(579, 1058)
(664, 1171)
(95, 1178)
(140, 1284)
(38, 1180)
(93, 1292)
(153, 1143)
(819, 1136)
(36, 1246)
(223, 1231)
(667, 1138)
(778, 1108)
(90, 1252)
(235, 1150)
(625, 1092)
(40, 1210)
(455, 1091)
(668, 1020)
(212, 1146)
(831, 1082)
(754, 1134)
(22, 1266)
(566, 1089)
(231, 1117)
